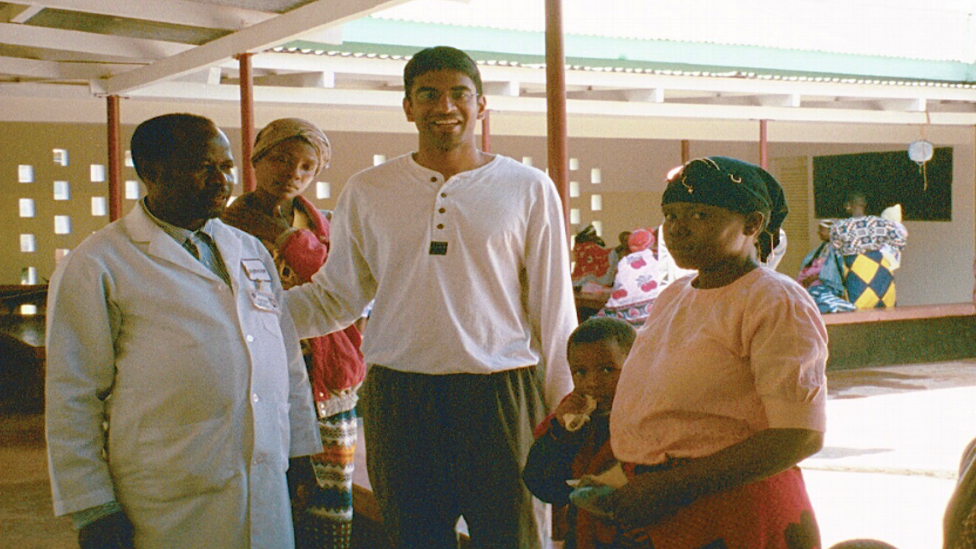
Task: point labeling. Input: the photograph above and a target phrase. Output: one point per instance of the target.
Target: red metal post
(247, 121)
(114, 158)
(763, 146)
(486, 132)
(556, 102)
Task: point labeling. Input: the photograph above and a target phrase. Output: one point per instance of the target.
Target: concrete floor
(895, 435)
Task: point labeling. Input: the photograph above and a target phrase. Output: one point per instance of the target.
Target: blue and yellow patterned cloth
(869, 281)
(865, 244)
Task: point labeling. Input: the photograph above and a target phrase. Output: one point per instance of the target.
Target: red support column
(114, 158)
(763, 146)
(556, 102)
(685, 151)
(247, 121)
(486, 132)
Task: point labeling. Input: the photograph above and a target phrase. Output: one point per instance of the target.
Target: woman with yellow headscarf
(288, 154)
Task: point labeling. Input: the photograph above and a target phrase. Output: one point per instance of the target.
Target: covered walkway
(894, 439)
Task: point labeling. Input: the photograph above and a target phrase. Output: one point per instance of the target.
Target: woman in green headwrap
(724, 390)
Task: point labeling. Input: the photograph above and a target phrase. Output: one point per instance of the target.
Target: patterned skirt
(326, 521)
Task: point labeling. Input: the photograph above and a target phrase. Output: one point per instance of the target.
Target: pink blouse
(711, 368)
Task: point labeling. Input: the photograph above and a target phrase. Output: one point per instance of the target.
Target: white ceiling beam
(510, 88)
(47, 91)
(175, 12)
(31, 68)
(320, 79)
(530, 78)
(205, 76)
(306, 19)
(271, 95)
(331, 35)
(26, 14)
(791, 100)
(52, 70)
(393, 100)
(753, 86)
(87, 42)
(338, 64)
(653, 95)
(915, 105)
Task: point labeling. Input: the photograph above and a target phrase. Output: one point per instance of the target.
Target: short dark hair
(158, 139)
(857, 197)
(440, 58)
(603, 328)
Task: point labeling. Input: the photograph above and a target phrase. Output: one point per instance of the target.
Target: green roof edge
(374, 36)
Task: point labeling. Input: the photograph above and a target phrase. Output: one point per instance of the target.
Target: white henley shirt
(498, 298)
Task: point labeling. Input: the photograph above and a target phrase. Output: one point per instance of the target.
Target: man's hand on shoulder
(109, 532)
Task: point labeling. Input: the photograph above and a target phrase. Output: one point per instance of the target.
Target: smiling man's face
(445, 106)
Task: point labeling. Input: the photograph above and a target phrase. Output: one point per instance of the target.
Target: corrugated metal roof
(935, 30)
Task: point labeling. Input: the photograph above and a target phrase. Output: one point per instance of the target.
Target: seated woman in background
(868, 246)
(637, 281)
(288, 154)
(591, 257)
(821, 274)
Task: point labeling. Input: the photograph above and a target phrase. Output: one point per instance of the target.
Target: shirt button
(440, 225)
(255, 398)
(249, 338)
(442, 210)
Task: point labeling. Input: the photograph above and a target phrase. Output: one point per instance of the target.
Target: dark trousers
(440, 447)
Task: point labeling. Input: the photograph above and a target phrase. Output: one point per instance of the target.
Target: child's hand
(572, 407)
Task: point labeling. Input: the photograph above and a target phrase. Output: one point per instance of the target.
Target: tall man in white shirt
(176, 390)
(466, 257)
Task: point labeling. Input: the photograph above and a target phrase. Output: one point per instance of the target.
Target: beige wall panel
(937, 263)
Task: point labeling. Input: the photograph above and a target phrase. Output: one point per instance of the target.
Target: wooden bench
(901, 335)
(880, 337)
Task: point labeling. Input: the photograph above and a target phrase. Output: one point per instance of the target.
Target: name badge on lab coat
(256, 270)
(263, 299)
(262, 296)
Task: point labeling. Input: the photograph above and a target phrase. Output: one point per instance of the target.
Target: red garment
(592, 530)
(336, 363)
(773, 513)
(591, 259)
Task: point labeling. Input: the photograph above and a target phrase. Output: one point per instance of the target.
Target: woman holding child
(288, 154)
(724, 390)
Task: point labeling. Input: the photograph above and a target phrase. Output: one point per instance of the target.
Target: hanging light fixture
(921, 151)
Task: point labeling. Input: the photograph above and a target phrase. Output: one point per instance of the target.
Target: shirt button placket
(441, 210)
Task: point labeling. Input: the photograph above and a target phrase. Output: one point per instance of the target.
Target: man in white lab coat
(176, 390)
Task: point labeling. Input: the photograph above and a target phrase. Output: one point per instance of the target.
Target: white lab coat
(204, 395)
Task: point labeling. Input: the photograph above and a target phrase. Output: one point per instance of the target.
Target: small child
(575, 439)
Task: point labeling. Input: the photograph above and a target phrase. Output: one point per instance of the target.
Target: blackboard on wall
(886, 179)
